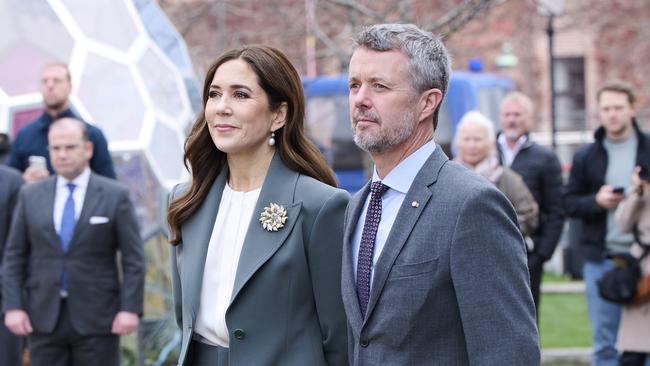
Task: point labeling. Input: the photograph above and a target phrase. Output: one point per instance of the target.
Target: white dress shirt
(226, 241)
(399, 182)
(62, 193)
(507, 153)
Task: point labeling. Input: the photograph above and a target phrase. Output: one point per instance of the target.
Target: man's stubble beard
(386, 139)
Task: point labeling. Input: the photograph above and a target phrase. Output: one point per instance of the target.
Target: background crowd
(73, 301)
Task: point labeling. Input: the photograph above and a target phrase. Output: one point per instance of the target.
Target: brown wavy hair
(281, 82)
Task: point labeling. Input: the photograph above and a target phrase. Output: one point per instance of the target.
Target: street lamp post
(551, 70)
(551, 9)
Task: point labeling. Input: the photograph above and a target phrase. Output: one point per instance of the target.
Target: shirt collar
(520, 141)
(402, 176)
(47, 119)
(81, 181)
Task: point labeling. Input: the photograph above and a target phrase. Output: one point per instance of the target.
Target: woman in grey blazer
(258, 231)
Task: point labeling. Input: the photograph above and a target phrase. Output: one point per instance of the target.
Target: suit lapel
(260, 244)
(421, 191)
(93, 198)
(348, 285)
(196, 232)
(47, 198)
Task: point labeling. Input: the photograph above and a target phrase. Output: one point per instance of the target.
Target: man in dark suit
(540, 169)
(62, 248)
(434, 266)
(10, 182)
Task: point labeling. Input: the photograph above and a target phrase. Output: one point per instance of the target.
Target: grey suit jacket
(10, 182)
(286, 306)
(34, 258)
(451, 285)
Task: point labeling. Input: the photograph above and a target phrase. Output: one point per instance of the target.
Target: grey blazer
(451, 285)
(34, 258)
(286, 306)
(10, 182)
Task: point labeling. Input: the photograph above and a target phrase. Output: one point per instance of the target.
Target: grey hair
(429, 61)
(522, 99)
(479, 119)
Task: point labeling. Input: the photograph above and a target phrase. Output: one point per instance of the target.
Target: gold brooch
(274, 217)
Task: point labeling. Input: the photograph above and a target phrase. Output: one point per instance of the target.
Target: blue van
(328, 121)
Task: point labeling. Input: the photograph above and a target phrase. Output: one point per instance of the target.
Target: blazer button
(364, 342)
(239, 334)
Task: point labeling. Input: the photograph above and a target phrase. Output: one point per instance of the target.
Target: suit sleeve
(15, 259)
(579, 201)
(325, 253)
(176, 279)
(552, 216)
(490, 278)
(132, 250)
(101, 162)
(16, 158)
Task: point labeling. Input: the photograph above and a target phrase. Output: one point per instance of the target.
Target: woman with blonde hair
(475, 140)
(258, 231)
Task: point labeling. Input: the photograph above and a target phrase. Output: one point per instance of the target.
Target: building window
(570, 93)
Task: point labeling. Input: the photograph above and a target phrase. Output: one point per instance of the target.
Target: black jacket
(540, 169)
(587, 176)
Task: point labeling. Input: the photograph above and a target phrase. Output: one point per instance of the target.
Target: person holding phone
(31, 141)
(633, 213)
(595, 189)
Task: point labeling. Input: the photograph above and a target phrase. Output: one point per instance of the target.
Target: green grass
(549, 277)
(564, 322)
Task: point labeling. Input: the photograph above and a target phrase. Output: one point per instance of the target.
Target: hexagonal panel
(108, 22)
(167, 152)
(32, 35)
(109, 93)
(133, 170)
(163, 83)
(20, 116)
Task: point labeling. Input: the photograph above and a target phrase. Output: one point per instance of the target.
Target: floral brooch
(274, 217)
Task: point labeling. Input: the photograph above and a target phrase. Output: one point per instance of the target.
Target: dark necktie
(367, 245)
(66, 231)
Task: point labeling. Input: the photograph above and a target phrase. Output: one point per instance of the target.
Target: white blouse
(226, 241)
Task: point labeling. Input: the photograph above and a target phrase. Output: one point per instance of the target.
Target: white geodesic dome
(132, 78)
(122, 62)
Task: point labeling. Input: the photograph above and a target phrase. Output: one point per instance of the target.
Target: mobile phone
(38, 162)
(644, 173)
(618, 190)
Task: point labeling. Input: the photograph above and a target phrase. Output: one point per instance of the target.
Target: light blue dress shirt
(399, 181)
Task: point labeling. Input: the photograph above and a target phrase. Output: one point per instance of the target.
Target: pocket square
(94, 220)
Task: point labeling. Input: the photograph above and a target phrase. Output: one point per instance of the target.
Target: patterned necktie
(68, 223)
(367, 246)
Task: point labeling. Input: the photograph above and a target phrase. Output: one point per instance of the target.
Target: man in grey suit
(62, 248)
(10, 182)
(434, 266)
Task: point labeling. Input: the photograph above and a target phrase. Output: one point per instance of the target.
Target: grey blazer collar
(421, 191)
(259, 244)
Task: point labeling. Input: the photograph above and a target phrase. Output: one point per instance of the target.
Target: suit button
(364, 342)
(239, 334)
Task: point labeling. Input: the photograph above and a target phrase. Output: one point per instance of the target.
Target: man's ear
(88, 148)
(279, 117)
(429, 101)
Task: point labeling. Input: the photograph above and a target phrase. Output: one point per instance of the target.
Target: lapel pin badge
(415, 204)
(273, 217)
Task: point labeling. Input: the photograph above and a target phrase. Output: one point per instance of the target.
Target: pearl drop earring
(272, 139)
